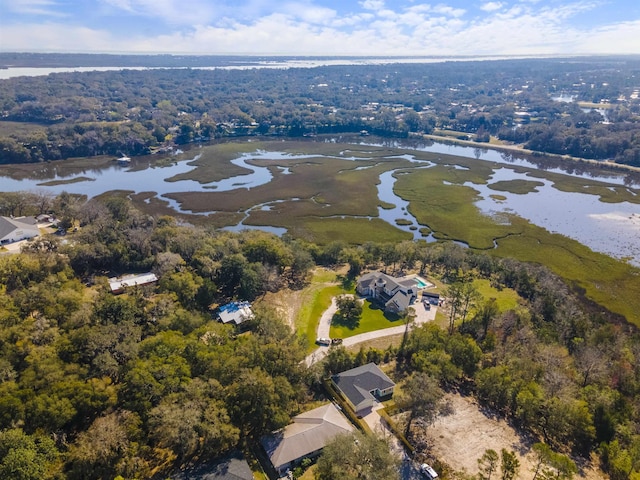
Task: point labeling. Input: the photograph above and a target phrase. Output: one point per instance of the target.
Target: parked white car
(323, 341)
(428, 472)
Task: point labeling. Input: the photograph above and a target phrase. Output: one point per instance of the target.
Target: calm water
(613, 229)
(253, 63)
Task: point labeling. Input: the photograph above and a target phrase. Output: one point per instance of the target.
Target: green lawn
(373, 318)
(316, 299)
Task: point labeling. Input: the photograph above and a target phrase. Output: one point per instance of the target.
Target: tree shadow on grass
(391, 317)
(340, 321)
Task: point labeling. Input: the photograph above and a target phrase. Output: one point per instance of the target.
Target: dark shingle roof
(358, 383)
(231, 467)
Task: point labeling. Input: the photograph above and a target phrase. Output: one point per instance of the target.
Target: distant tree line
(136, 112)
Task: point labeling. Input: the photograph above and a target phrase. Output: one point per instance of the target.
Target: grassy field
(594, 105)
(507, 298)
(314, 301)
(326, 199)
(20, 128)
(66, 182)
(438, 200)
(319, 199)
(373, 318)
(609, 282)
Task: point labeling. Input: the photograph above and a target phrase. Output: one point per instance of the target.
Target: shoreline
(519, 149)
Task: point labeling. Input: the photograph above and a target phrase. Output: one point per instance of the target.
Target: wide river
(610, 228)
(249, 62)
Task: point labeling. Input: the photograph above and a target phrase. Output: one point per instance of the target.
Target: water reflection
(613, 229)
(551, 163)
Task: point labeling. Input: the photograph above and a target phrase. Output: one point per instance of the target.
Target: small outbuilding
(231, 467)
(431, 297)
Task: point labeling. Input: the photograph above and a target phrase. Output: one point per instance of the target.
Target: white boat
(124, 160)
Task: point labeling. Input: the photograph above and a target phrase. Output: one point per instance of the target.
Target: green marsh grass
(518, 186)
(449, 211)
(506, 299)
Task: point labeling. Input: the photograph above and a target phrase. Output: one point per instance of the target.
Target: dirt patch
(461, 438)
(286, 303)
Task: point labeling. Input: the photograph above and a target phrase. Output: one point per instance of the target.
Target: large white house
(396, 294)
(16, 229)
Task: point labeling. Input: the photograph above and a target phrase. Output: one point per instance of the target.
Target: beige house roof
(310, 432)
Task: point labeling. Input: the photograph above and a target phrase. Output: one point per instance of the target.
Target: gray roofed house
(309, 433)
(396, 294)
(231, 467)
(362, 386)
(16, 229)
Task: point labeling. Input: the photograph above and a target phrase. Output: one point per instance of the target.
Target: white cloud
(617, 38)
(172, 12)
(374, 5)
(34, 7)
(447, 10)
(307, 28)
(491, 6)
(310, 13)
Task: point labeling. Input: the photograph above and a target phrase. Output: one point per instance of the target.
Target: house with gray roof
(231, 467)
(362, 387)
(309, 433)
(396, 294)
(16, 229)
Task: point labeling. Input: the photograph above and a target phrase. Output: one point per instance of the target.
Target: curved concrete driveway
(325, 320)
(422, 316)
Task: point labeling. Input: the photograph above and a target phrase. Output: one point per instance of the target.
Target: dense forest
(94, 385)
(584, 107)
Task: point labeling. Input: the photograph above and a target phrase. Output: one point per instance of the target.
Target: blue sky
(323, 27)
